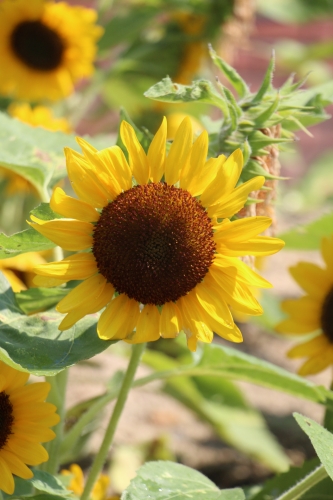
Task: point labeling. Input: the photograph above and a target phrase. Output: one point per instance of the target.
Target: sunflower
(25, 420)
(313, 312)
(99, 491)
(162, 256)
(45, 47)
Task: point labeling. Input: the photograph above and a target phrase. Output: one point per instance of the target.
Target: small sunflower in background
(155, 255)
(99, 491)
(45, 48)
(313, 312)
(39, 116)
(25, 421)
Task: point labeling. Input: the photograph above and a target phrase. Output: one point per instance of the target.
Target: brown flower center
(327, 316)
(154, 243)
(6, 418)
(37, 45)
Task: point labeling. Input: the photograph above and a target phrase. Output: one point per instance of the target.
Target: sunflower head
(154, 240)
(312, 313)
(45, 47)
(25, 423)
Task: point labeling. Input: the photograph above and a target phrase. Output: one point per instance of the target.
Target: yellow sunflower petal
(30, 453)
(29, 393)
(309, 348)
(327, 252)
(197, 161)
(138, 159)
(86, 291)
(147, 326)
(193, 326)
(69, 234)
(261, 245)
(79, 266)
(95, 304)
(16, 465)
(293, 326)
(83, 180)
(156, 153)
(235, 201)
(226, 179)
(171, 320)
(317, 363)
(305, 309)
(212, 299)
(118, 168)
(33, 434)
(47, 282)
(241, 230)
(236, 294)
(118, 319)
(71, 208)
(237, 269)
(7, 481)
(313, 279)
(179, 154)
(198, 183)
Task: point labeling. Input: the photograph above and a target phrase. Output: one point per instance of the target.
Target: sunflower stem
(57, 396)
(137, 351)
(305, 484)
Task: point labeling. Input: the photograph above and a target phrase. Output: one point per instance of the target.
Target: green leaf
(308, 237)
(43, 481)
(266, 83)
(34, 343)
(321, 439)
(200, 91)
(234, 78)
(28, 240)
(222, 405)
(39, 299)
(170, 481)
(274, 487)
(44, 212)
(125, 28)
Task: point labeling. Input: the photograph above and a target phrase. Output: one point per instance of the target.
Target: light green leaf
(200, 91)
(34, 343)
(234, 78)
(266, 83)
(39, 299)
(36, 153)
(308, 237)
(221, 404)
(321, 439)
(25, 241)
(170, 481)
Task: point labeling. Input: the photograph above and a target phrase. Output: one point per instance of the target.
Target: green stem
(305, 484)
(57, 396)
(137, 351)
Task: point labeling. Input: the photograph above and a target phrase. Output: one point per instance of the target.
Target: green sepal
(266, 83)
(231, 74)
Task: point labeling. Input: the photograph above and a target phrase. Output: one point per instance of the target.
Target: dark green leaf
(34, 343)
(43, 481)
(274, 487)
(170, 481)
